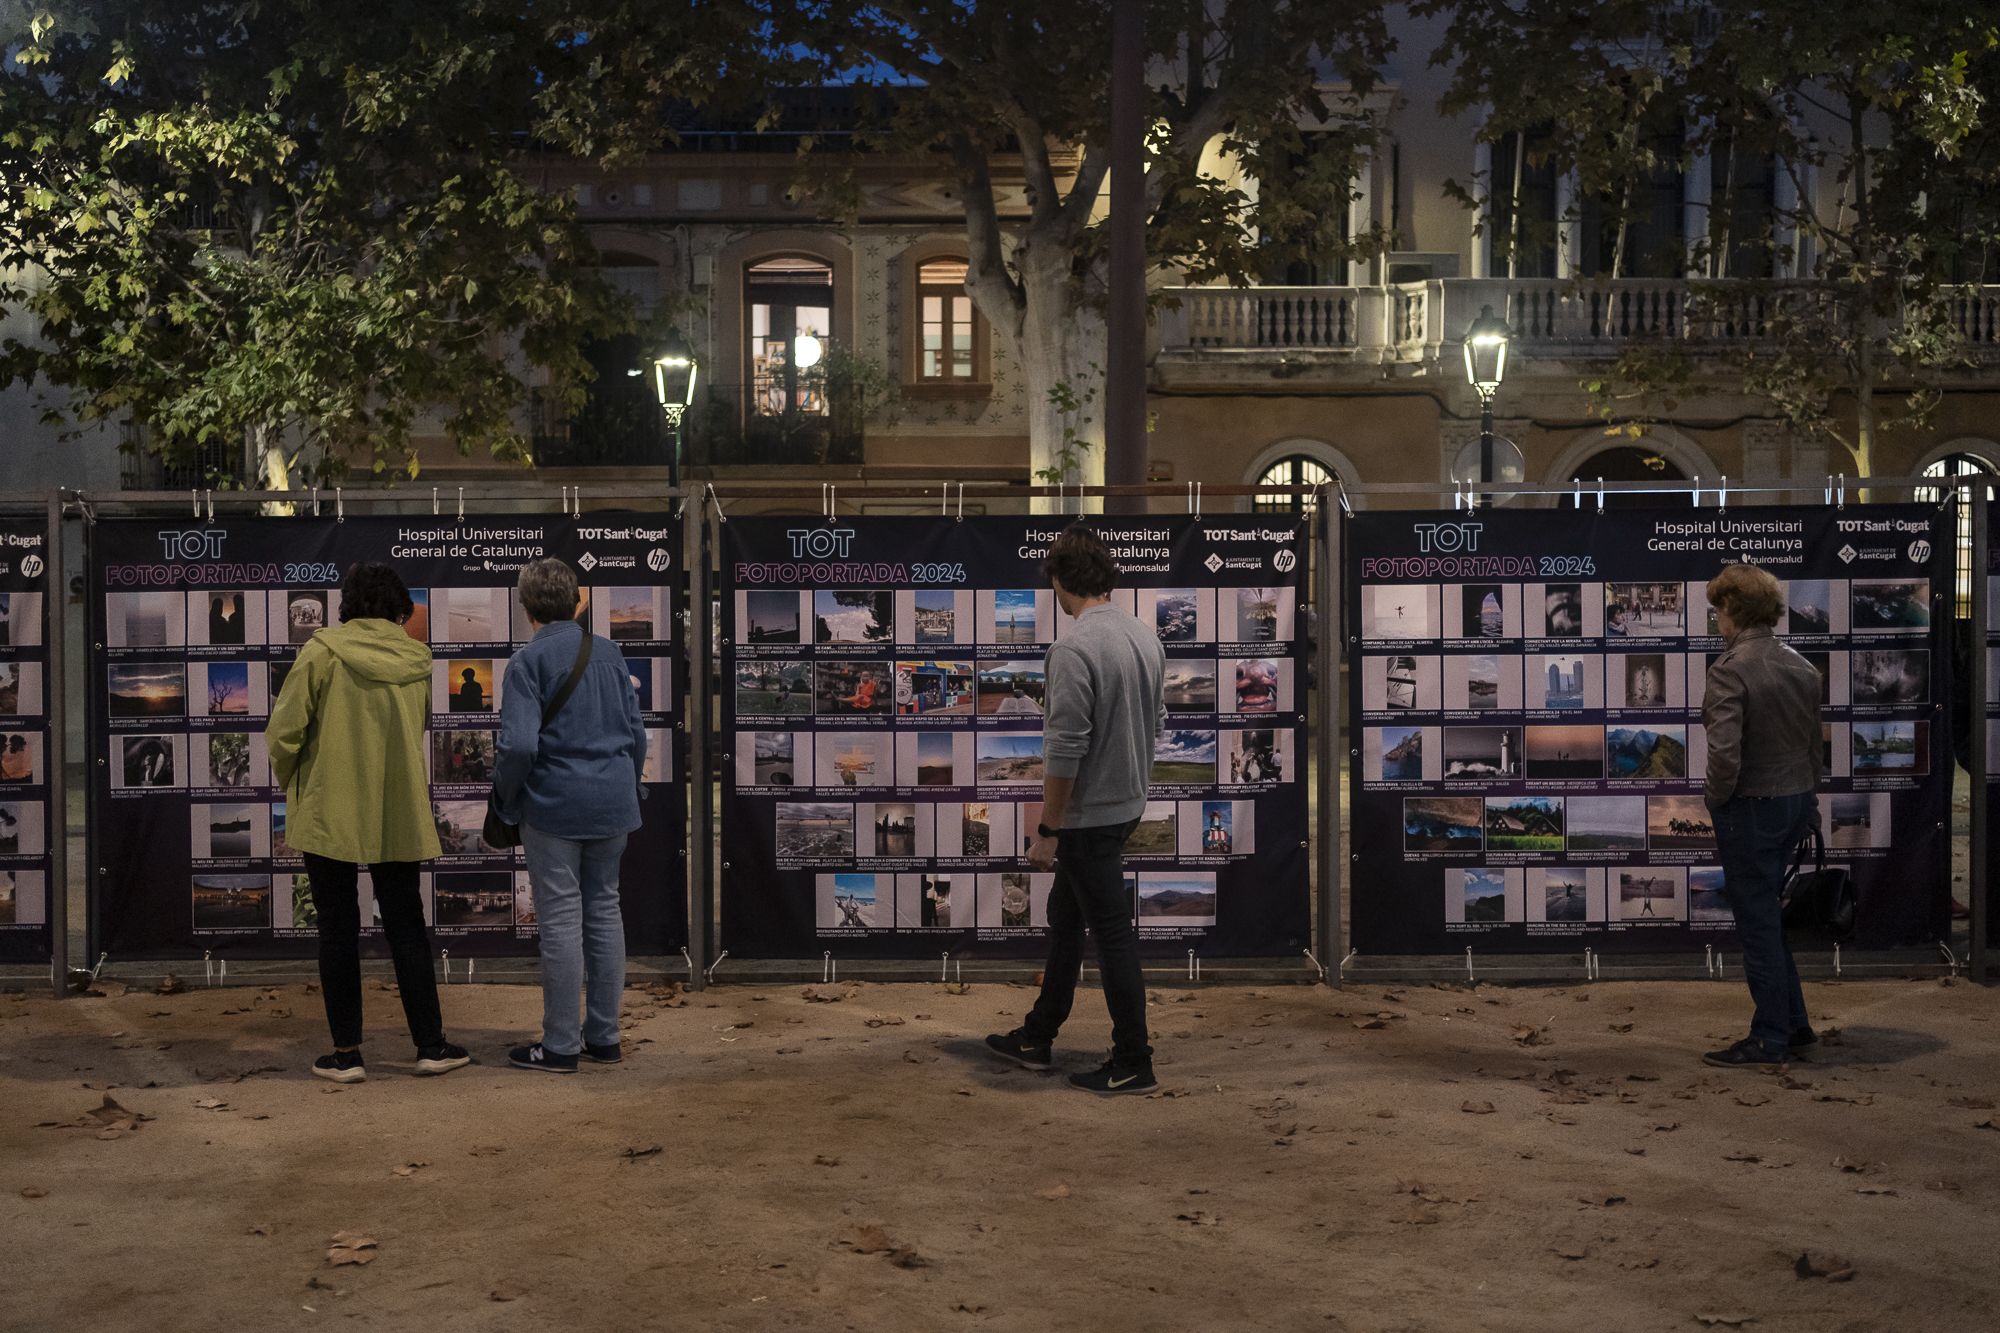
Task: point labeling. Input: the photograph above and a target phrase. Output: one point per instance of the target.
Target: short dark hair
(1749, 595)
(1080, 563)
(373, 591)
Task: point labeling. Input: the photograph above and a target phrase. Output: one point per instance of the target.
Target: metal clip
(434, 502)
(1340, 492)
(1194, 966)
(944, 967)
(720, 517)
(1577, 496)
(194, 500)
(1836, 958)
(1950, 958)
(444, 956)
(827, 970)
(1197, 500)
(211, 506)
(961, 502)
(1840, 491)
(1340, 972)
(315, 502)
(1722, 495)
(1318, 966)
(1697, 490)
(1600, 495)
(1829, 489)
(470, 963)
(461, 504)
(710, 973)
(207, 967)
(339, 507)
(1468, 965)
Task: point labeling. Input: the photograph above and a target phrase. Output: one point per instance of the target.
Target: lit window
(1958, 465)
(945, 350)
(1293, 470)
(791, 319)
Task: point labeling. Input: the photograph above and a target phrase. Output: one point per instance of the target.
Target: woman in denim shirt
(573, 787)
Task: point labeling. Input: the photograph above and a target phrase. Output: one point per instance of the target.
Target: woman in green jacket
(347, 744)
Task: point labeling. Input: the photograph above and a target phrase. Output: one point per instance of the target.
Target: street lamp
(1485, 366)
(674, 373)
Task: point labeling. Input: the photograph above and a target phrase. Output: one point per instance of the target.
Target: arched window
(790, 302)
(1958, 465)
(1627, 463)
(1291, 470)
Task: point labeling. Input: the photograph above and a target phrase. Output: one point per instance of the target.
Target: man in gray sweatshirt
(1102, 715)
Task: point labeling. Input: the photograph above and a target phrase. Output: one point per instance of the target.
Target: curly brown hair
(1080, 563)
(1749, 596)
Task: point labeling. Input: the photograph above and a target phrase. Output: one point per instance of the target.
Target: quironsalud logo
(1847, 554)
(31, 566)
(1214, 562)
(1285, 561)
(1920, 552)
(587, 560)
(658, 559)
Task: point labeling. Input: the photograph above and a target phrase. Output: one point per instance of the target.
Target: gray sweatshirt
(1104, 714)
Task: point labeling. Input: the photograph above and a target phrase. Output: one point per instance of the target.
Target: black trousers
(399, 895)
(1090, 891)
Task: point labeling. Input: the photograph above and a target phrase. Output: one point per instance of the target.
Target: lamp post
(674, 374)
(1485, 366)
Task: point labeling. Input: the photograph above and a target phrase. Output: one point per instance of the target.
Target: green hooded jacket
(347, 742)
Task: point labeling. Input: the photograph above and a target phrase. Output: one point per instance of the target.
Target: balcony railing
(715, 433)
(1415, 322)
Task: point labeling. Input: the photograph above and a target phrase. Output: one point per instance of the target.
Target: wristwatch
(1045, 831)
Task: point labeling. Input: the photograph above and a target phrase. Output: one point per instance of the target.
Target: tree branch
(993, 288)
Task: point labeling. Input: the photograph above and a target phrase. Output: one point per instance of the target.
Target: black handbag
(497, 832)
(1816, 900)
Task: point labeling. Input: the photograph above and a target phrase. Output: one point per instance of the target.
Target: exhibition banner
(30, 831)
(194, 627)
(883, 688)
(1525, 702)
(1989, 588)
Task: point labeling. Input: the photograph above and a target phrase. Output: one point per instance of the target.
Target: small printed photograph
(307, 612)
(853, 615)
(1644, 610)
(774, 689)
(1396, 754)
(1889, 606)
(1833, 665)
(1678, 824)
(1008, 901)
(1563, 893)
(936, 758)
(769, 616)
(280, 672)
(1263, 615)
(469, 615)
(1482, 681)
(631, 615)
(1645, 680)
(522, 628)
(473, 900)
(21, 828)
(21, 619)
(850, 901)
(1524, 823)
(936, 689)
(1176, 898)
(21, 756)
(459, 828)
(1563, 682)
(815, 831)
(231, 902)
(229, 832)
(774, 757)
(659, 756)
(1215, 827)
(1571, 752)
(467, 685)
(1400, 683)
(1607, 823)
(977, 834)
(1855, 819)
(1012, 689)
(1650, 893)
(935, 907)
(147, 761)
(1482, 895)
(1562, 610)
(1809, 607)
(144, 620)
(146, 689)
(1188, 685)
(652, 682)
(853, 689)
(1186, 758)
(890, 829)
(1262, 684)
(1482, 752)
(934, 617)
(463, 756)
(853, 759)
(1399, 611)
(1175, 613)
(296, 890)
(1900, 748)
(1482, 611)
(230, 618)
(418, 626)
(1658, 753)
(230, 759)
(1836, 749)
(1017, 617)
(525, 916)
(23, 898)
(1706, 900)
(281, 849)
(20, 689)
(228, 689)
(1254, 756)
(1887, 676)
(1011, 758)
(1443, 823)
(1156, 833)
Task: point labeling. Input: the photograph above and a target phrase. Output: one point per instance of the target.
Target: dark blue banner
(31, 831)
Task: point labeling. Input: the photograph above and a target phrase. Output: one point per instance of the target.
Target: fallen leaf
(211, 1104)
(259, 1229)
(1385, 1114)
(1874, 1189)
(879, 1022)
(1369, 1024)
(1621, 1027)
(1725, 1320)
(1751, 1099)
(169, 985)
(507, 1291)
(821, 1159)
(963, 1092)
(1851, 1167)
(1527, 1035)
(1818, 1263)
(1476, 1108)
(1987, 1123)
(1571, 1250)
(634, 1154)
(958, 988)
(485, 1150)
(1741, 1157)
(350, 1247)
(874, 1240)
(34, 1192)
(1970, 1103)
(1053, 1192)
(1197, 1218)
(407, 1169)
(1600, 1200)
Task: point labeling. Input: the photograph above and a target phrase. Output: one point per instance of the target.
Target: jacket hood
(377, 650)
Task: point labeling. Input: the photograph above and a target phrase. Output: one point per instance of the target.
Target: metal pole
(674, 459)
(1125, 323)
(55, 752)
(694, 544)
(1330, 760)
(1979, 892)
(1486, 441)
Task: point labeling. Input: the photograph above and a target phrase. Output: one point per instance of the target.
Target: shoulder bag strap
(561, 696)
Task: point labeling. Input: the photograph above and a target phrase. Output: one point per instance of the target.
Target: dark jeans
(398, 894)
(1756, 835)
(1090, 891)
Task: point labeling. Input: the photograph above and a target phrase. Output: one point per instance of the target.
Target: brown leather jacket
(1761, 713)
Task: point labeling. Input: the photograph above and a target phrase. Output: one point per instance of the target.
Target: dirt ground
(1409, 1158)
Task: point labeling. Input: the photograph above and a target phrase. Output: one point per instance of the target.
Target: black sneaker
(1803, 1040)
(1112, 1078)
(1748, 1054)
(539, 1057)
(1022, 1049)
(442, 1058)
(341, 1067)
(613, 1054)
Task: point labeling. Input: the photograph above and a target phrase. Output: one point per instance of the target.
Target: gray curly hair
(548, 591)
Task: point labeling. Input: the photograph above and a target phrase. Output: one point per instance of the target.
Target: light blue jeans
(583, 936)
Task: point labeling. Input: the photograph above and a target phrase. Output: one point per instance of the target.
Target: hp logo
(1920, 552)
(658, 559)
(1285, 561)
(31, 566)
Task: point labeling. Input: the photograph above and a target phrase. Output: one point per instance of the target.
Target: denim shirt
(579, 778)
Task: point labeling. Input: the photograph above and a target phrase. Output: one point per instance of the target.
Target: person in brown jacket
(1765, 762)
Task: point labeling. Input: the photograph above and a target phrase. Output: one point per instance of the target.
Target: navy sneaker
(1111, 1079)
(604, 1055)
(540, 1057)
(1748, 1054)
(442, 1058)
(1022, 1049)
(340, 1067)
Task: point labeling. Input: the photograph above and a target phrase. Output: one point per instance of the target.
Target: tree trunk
(274, 469)
(1514, 205)
(1060, 352)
